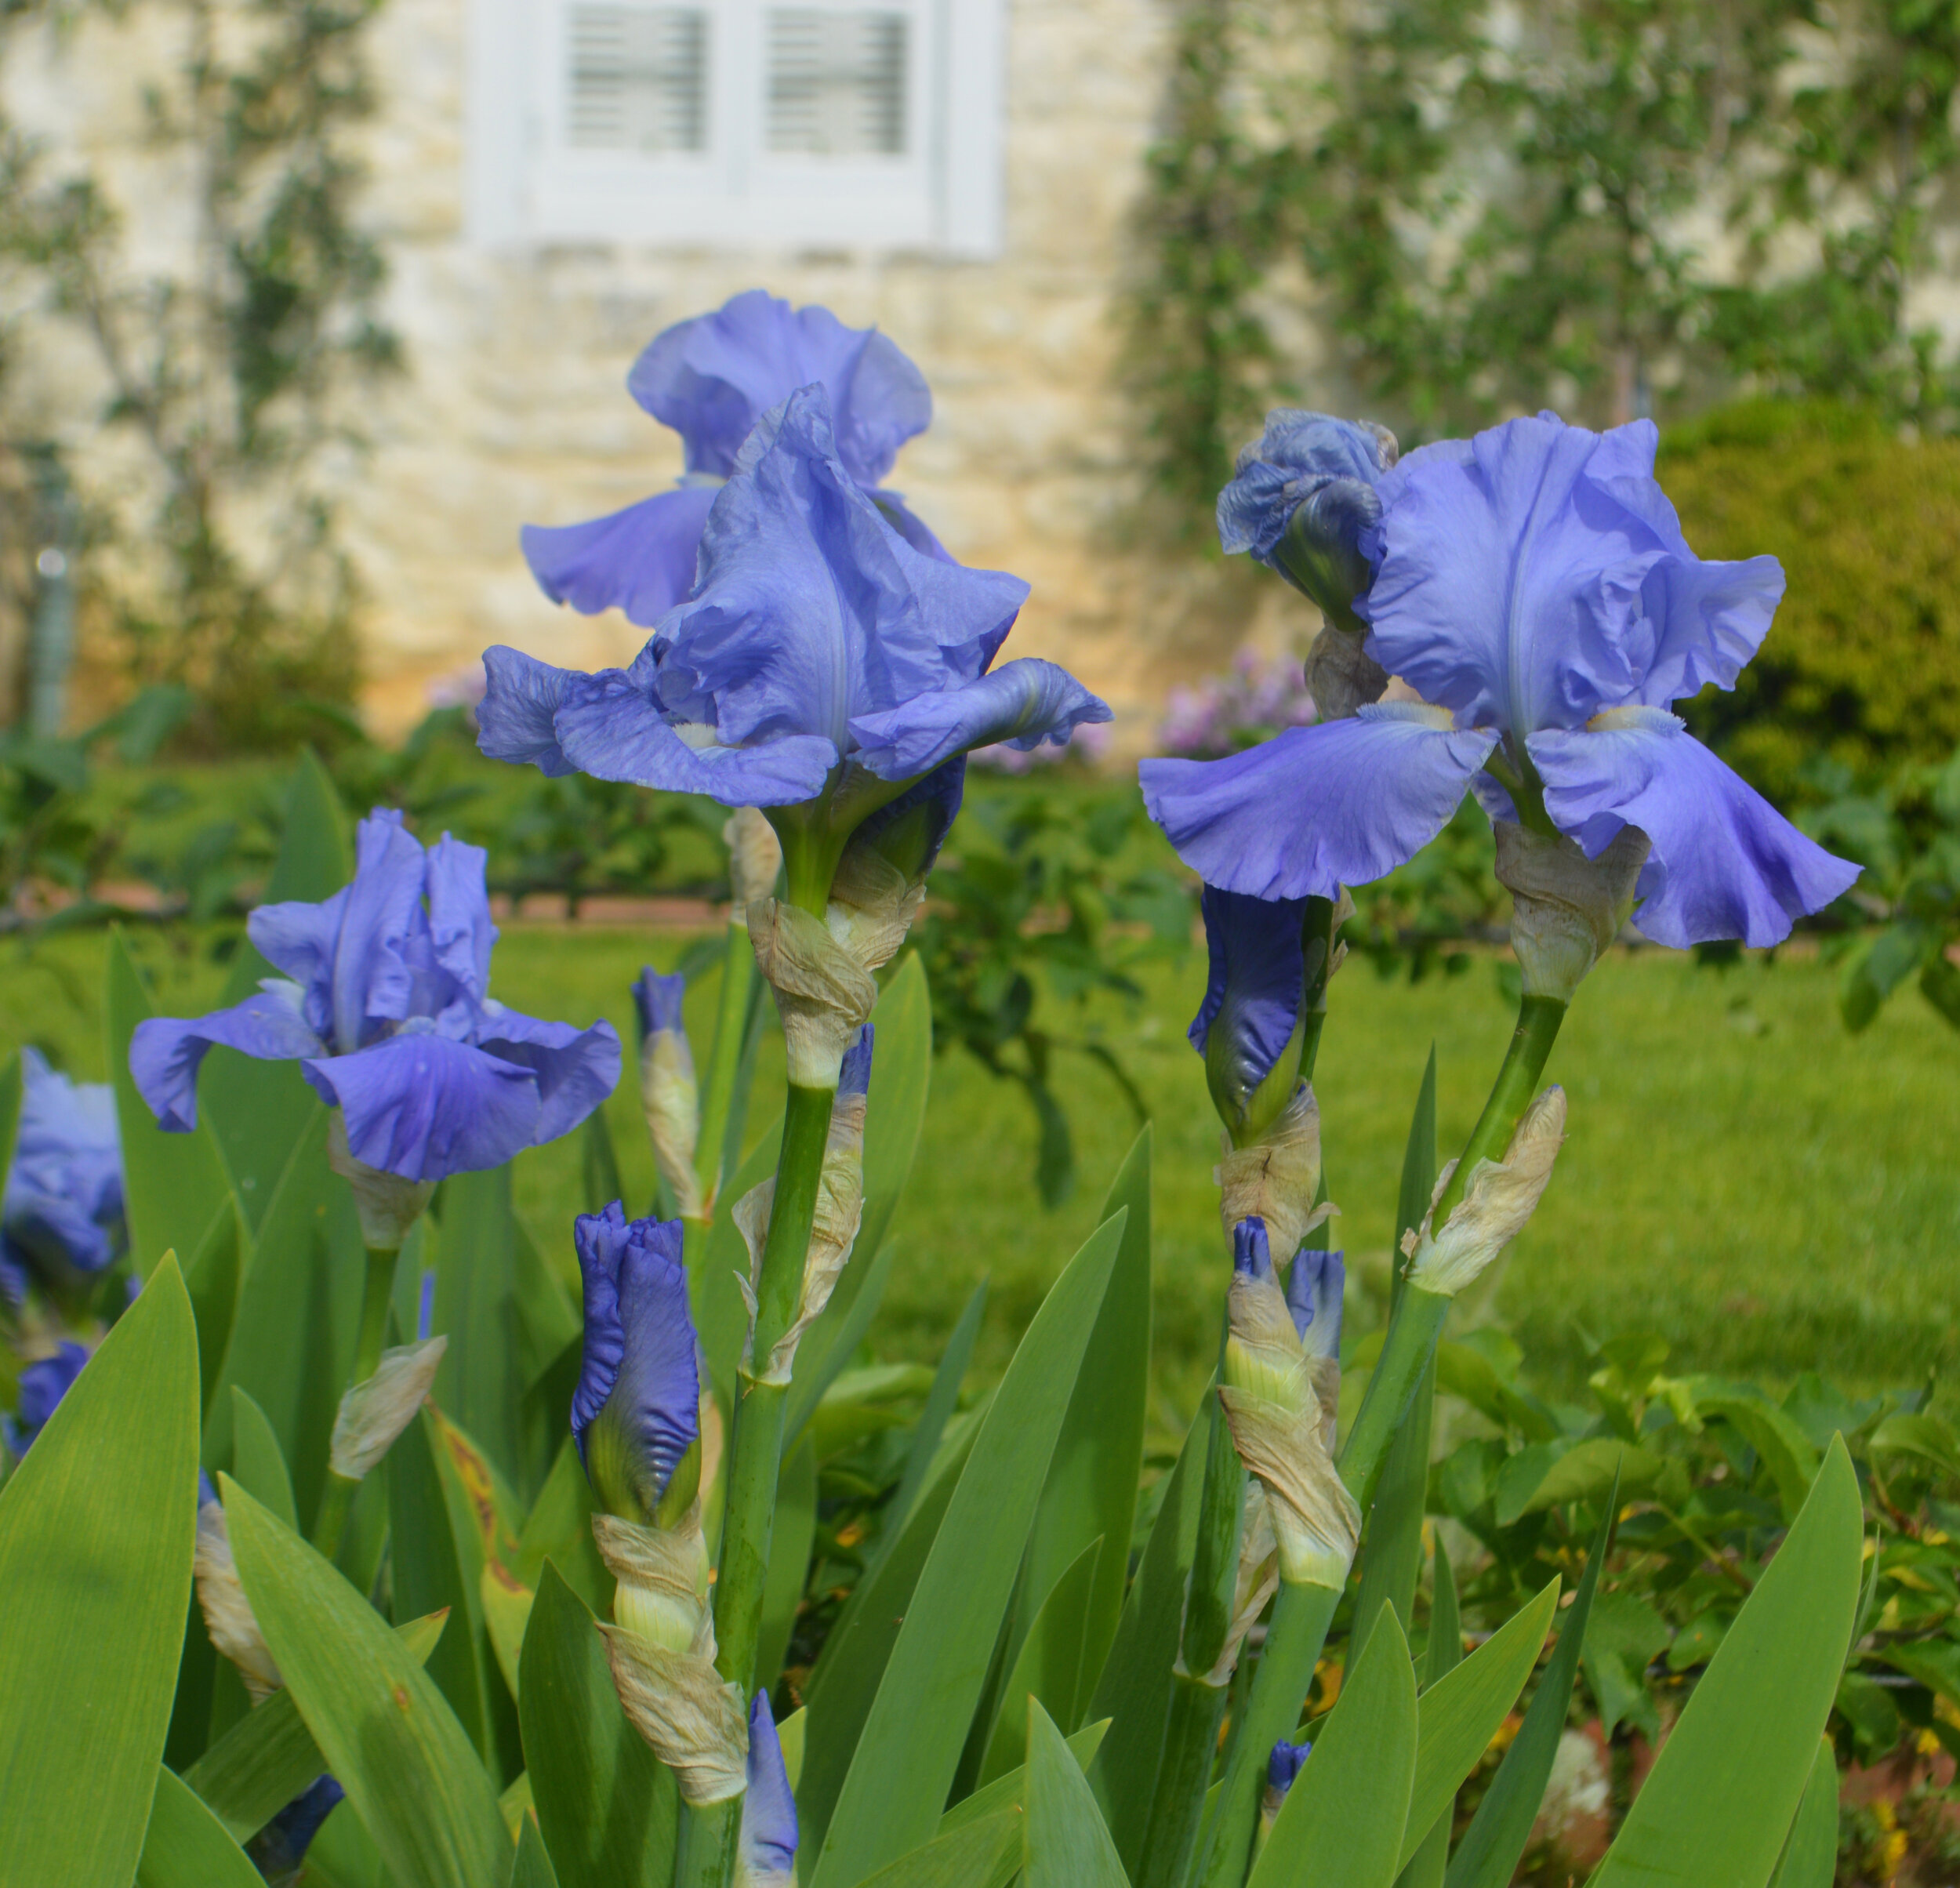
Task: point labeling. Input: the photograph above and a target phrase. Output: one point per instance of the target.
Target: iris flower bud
(1314, 1288)
(636, 1414)
(1252, 1023)
(767, 1856)
(669, 1095)
(228, 1617)
(1283, 1771)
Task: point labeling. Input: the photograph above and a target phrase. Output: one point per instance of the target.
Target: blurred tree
(229, 367)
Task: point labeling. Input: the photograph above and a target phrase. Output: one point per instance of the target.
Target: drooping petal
(769, 1828)
(1315, 808)
(1725, 864)
(1022, 704)
(638, 1381)
(639, 560)
(1314, 1289)
(575, 1068)
(608, 726)
(373, 973)
(461, 932)
(165, 1051)
(811, 609)
(1255, 988)
(711, 378)
(423, 1106)
(515, 718)
(1534, 575)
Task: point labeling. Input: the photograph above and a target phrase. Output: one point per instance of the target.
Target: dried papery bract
(372, 1414)
(1255, 1582)
(755, 859)
(228, 1617)
(1567, 909)
(1276, 1179)
(823, 994)
(1500, 1197)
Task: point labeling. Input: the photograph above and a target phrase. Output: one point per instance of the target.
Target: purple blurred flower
(1533, 584)
(711, 378)
(389, 1016)
(636, 1414)
(43, 1384)
(1224, 714)
(816, 635)
(63, 1210)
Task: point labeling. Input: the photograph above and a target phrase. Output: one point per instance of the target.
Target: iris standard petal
(1725, 864)
(423, 1106)
(1256, 984)
(769, 1828)
(711, 378)
(300, 940)
(1315, 808)
(373, 974)
(575, 1068)
(609, 727)
(165, 1051)
(811, 609)
(514, 719)
(1022, 704)
(1509, 583)
(639, 560)
(460, 931)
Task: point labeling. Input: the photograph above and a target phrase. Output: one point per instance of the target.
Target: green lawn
(1770, 1194)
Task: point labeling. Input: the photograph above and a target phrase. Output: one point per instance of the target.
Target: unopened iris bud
(228, 1617)
(1252, 1023)
(766, 1857)
(1283, 1771)
(1314, 1289)
(1500, 1197)
(636, 1414)
(1566, 907)
(1264, 1357)
(669, 1095)
(1303, 502)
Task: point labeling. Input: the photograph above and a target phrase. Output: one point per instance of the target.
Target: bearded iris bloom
(63, 1211)
(816, 636)
(389, 1014)
(1532, 587)
(711, 378)
(636, 1414)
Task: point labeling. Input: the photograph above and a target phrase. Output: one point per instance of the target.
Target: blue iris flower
(636, 1414)
(1314, 1289)
(1249, 1027)
(1532, 587)
(389, 1014)
(43, 1384)
(711, 378)
(63, 1210)
(1303, 500)
(815, 635)
(769, 1828)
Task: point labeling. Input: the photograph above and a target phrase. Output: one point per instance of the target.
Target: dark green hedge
(1863, 663)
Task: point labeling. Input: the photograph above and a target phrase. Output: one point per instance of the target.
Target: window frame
(527, 187)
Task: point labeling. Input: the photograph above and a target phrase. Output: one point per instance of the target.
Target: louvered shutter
(636, 78)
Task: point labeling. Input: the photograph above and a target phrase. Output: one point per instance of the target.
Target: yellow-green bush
(1864, 662)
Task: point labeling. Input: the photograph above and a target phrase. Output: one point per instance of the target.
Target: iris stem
(1190, 1747)
(709, 1833)
(713, 1160)
(337, 1501)
(1302, 1614)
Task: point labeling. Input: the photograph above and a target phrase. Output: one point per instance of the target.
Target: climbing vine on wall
(1614, 206)
(228, 349)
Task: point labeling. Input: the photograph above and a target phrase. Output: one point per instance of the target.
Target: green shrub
(1863, 663)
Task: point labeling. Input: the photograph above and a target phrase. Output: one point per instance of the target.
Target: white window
(737, 123)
